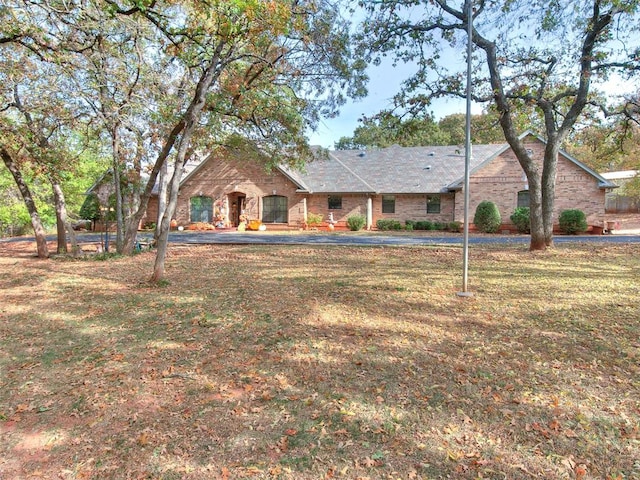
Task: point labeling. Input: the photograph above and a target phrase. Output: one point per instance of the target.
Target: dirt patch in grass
(299, 362)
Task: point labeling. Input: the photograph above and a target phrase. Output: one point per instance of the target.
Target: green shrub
(90, 209)
(423, 225)
(356, 222)
(314, 219)
(454, 226)
(487, 217)
(410, 225)
(383, 224)
(573, 222)
(521, 218)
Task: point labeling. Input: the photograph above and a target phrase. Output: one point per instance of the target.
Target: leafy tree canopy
(550, 58)
(388, 128)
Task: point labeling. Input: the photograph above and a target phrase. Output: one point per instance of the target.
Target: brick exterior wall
(232, 181)
(407, 207)
(498, 181)
(502, 179)
(351, 205)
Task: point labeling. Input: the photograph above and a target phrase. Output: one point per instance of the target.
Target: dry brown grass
(327, 362)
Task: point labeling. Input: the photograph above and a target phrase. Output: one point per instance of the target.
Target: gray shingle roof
(391, 170)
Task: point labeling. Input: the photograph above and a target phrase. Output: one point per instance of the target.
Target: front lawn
(298, 362)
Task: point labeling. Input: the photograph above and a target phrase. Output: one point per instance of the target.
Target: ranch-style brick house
(402, 183)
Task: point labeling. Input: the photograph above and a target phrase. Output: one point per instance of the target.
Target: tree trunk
(38, 229)
(163, 184)
(549, 172)
(61, 229)
(191, 118)
(63, 226)
(535, 211)
(133, 222)
(117, 186)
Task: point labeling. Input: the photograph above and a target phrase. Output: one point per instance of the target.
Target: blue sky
(384, 82)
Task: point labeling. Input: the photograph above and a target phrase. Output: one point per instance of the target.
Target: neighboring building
(617, 201)
(403, 183)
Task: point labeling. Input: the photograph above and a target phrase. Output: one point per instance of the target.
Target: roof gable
(602, 182)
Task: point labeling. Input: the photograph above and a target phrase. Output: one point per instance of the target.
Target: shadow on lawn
(367, 369)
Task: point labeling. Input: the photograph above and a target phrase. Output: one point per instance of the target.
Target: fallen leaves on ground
(321, 362)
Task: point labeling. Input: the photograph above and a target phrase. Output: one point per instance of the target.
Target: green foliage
(427, 225)
(388, 224)
(386, 128)
(487, 217)
(632, 188)
(454, 226)
(356, 222)
(572, 221)
(90, 209)
(314, 219)
(521, 218)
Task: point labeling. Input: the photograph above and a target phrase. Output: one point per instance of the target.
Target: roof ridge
(351, 171)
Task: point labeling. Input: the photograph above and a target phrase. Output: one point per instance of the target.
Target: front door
(237, 206)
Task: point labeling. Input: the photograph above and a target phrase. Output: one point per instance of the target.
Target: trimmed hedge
(383, 224)
(521, 218)
(487, 218)
(573, 222)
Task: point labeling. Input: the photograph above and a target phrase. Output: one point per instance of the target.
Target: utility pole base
(464, 294)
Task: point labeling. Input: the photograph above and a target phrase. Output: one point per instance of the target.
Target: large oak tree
(545, 56)
(180, 78)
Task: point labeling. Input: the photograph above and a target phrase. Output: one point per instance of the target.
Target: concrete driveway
(232, 237)
(375, 238)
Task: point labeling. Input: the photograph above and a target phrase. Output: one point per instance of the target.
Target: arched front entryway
(237, 204)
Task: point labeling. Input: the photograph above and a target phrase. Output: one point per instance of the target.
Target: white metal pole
(467, 156)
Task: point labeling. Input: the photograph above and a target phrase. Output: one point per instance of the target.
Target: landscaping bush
(521, 218)
(314, 219)
(383, 224)
(356, 222)
(487, 217)
(426, 225)
(454, 226)
(573, 222)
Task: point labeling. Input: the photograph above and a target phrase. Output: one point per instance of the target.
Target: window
(388, 204)
(201, 209)
(523, 198)
(335, 202)
(433, 204)
(275, 209)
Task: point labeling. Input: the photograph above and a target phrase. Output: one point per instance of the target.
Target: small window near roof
(335, 202)
(433, 204)
(523, 198)
(388, 204)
